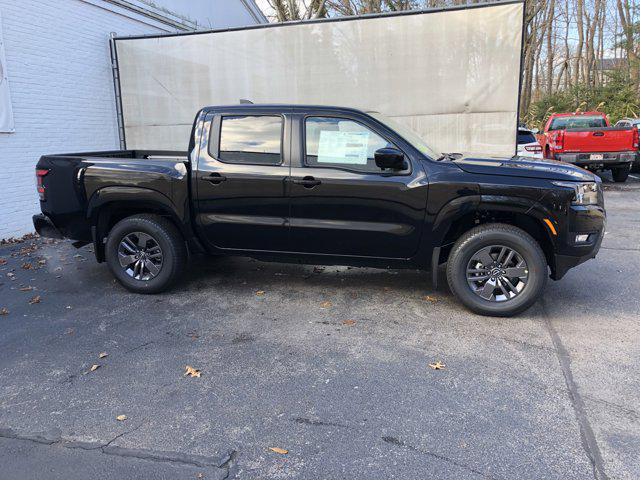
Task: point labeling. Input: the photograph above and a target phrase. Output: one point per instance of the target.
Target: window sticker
(343, 147)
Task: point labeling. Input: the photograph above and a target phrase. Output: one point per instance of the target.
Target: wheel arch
(109, 205)
(518, 212)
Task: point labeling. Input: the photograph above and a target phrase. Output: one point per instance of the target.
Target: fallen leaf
(437, 366)
(349, 323)
(121, 418)
(70, 331)
(34, 300)
(200, 475)
(42, 262)
(2, 261)
(27, 266)
(103, 354)
(429, 298)
(26, 289)
(94, 367)
(260, 293)
(326, 304)
(281, 451)
(318, 269)
(4, 311)
(192, 372)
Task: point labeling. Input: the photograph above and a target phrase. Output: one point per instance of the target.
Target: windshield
(562, 123)
(409, 135)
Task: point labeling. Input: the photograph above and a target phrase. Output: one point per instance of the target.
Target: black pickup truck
(326, 185)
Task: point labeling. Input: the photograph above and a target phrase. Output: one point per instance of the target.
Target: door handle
(214, 178)
(598, 134)
(307, 182)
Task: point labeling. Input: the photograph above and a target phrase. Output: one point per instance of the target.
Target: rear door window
(253, 140)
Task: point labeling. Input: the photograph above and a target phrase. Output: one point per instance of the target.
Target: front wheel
(620, 174)
(146, 253)
(497, 269)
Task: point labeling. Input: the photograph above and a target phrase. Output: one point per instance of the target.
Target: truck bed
(77, 184)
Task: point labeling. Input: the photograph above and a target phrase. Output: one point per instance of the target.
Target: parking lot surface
(330, 364)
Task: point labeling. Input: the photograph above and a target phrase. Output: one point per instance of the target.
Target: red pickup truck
(588, 140)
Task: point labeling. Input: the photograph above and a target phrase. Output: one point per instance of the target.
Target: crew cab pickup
(326, 185)
(587, 139)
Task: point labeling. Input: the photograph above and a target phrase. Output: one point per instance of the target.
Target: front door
(241, 180)
(342, 203)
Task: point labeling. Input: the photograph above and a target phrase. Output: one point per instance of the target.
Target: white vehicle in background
(631, 122)
(528, 145)
(628, 122)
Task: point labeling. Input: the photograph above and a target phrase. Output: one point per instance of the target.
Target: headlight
(584, 193)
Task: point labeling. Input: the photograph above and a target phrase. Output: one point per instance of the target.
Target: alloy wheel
(497, 273)
(140, 256)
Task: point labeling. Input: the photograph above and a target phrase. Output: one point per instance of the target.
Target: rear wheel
(146, 253)
(497, 269)
(620, 174)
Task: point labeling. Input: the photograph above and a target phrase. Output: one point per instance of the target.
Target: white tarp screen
(453, 76)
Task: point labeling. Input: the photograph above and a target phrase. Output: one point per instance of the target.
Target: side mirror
(535, 131)
(389, 158)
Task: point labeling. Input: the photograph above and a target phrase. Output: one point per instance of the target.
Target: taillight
(636, 138)
(559, 140)
(40, 174)
(533, 148)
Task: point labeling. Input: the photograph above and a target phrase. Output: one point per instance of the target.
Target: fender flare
(138, 198)
(143, 197)
(450, 213)
(462, 206)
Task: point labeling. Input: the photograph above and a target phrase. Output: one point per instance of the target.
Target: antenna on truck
(244, 101)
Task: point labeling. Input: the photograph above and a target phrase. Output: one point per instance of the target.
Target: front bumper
(588, 220)
(609, 159)
(45, 227)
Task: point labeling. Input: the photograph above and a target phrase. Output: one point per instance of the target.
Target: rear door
(243, 166)
(341, 202)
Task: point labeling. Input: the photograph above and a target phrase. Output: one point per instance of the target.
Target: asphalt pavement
(327, 364)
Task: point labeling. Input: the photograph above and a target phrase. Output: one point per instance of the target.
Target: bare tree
(287, 10)
(629, 31)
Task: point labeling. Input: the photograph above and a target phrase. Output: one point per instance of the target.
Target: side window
(341, 143)
(254, 140)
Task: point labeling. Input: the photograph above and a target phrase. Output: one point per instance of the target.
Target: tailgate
(598, 140)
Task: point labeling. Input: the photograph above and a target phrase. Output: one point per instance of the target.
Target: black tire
(172, 249)
(620, 174)
(490, 235)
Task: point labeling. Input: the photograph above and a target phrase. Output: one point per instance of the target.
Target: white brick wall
(58, 65)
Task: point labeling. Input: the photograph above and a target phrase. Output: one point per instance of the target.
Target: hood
(524, 167)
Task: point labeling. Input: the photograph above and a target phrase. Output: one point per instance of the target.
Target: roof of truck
(276, 106)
